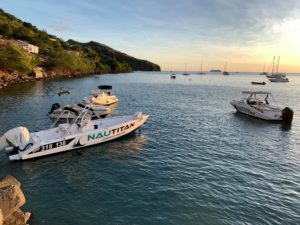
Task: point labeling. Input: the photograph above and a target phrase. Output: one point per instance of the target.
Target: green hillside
(108, 53)
(59, 57)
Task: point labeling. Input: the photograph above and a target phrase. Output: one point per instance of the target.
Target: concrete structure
(38, 72)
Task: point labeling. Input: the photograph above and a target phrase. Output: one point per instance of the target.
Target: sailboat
(277, 77)
(224, 71)
(201, 72)
(263, 71)
(185, 73)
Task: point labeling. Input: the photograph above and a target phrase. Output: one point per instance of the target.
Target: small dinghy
(258, 83)
(173, 76)
(259, 107)
(72, 111)
(82, 132)
(63, 92)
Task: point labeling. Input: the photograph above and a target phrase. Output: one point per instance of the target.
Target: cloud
(60, 27)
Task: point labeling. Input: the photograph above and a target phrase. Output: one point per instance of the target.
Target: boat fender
(287, 115)
(54, 107)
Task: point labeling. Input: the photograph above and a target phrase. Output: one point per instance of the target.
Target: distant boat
(276, 76)
(173, 76)
(225, 68)
(279, 79)
(263, 71)
(215, 71)
(185, 73)
(258, 83)
(201, 72)
(64, 92)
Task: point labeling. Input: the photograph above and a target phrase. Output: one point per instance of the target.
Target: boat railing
(81, 115)
(58, 118)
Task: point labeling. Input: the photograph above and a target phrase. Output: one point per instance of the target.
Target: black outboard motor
(287, 115)
(54, 107)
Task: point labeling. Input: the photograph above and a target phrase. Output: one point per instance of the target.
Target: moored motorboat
(258, 83)
(73, 110)
(102, 96)
(81, 132)
(255, 106)
(282, 79)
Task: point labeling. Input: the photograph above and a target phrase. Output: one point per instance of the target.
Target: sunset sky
(171, 33)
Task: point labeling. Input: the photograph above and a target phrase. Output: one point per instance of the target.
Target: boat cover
(18, 136)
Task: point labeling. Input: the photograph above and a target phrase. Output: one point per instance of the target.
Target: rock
(11, 199)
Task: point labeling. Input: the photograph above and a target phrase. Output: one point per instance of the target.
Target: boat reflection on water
(286, 126)
(252, 122)
(130, 145)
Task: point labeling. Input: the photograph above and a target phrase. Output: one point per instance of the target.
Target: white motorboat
(72, 111)
(82, 132)
(279, 79)
(255, 105)
(102, 96)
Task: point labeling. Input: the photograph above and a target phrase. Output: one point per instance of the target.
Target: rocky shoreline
(7, 79)
(11, 200)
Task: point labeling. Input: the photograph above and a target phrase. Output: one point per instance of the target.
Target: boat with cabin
(257, 104)
(102, 96)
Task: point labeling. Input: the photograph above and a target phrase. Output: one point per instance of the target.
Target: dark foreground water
(195, 161)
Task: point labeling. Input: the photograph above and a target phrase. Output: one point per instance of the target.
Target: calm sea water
(195, 161)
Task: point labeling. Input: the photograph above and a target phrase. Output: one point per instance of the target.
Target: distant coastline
(27, 53)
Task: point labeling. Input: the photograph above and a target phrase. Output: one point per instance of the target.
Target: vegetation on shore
(14, 58)
(60, 57)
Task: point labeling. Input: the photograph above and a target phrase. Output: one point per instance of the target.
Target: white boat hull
(263, 112)
(54, 141)
(282, 80)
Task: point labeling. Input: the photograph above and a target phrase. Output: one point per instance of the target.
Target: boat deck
(59, 132)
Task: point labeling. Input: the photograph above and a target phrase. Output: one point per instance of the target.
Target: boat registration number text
(53, 145)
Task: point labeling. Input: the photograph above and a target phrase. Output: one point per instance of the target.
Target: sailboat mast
(264, 68)
(201, 68)
(273, 65)
(278, 64)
